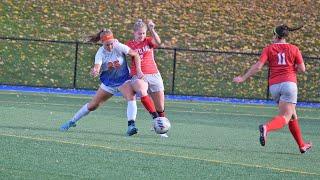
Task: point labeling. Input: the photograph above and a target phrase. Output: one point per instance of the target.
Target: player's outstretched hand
(150, 24)
(140, 75)
(238, 79)
(94, 72)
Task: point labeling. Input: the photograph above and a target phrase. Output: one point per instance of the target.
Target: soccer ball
(161, 125)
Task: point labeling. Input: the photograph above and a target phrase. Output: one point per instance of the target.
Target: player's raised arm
(155, 37)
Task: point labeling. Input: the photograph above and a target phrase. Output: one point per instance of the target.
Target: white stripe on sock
(81, 113)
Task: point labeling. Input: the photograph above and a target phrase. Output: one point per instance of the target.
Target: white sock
(132, 110)
(81, 113)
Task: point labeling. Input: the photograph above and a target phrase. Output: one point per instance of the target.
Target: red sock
(276, 123)
(296, 132)
(148, 104)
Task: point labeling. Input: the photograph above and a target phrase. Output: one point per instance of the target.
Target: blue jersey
(114, 66)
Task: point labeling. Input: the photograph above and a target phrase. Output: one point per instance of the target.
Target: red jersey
(282, 58)
(145, 51)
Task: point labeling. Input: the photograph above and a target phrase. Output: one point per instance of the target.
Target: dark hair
(95, 38)
(283, 30)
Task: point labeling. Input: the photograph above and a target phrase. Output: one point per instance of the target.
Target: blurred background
(205, 43)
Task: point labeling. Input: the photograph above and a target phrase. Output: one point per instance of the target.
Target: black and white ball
(161, 125)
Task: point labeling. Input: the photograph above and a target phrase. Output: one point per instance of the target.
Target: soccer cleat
(306, 147)
(263, 135)
(132, 130)
(67, 125)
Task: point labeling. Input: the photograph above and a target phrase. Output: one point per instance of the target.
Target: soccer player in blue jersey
(112, 67)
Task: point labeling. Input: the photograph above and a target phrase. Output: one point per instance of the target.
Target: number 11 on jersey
(281, 59)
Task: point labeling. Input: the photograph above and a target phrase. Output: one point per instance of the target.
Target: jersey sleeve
(299, 59)
(123, 48)
(264, 55)
(150, 43)
(98, 57)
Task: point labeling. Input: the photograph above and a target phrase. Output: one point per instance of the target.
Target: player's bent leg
(295, 130)
(277, 122)
(286, 109)
(158, 100)
(141, 87)
(98, 99)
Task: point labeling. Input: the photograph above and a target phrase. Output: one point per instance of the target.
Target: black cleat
(263, 135)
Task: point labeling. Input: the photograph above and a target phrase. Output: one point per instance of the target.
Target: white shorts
(111, 90)
(155, 82)
(285, 91)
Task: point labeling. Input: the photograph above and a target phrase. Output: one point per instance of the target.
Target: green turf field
(206, 141)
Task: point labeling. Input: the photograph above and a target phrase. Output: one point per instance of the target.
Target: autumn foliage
(225, 25)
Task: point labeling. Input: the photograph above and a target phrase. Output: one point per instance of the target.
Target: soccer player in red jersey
(152, 82)
(284, 61)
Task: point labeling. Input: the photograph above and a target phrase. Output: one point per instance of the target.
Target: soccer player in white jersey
(112, 67)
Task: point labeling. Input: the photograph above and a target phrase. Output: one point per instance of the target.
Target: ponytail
(283, 30)
(97, 37)
(294, 29)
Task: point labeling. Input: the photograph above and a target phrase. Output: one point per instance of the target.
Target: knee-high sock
(148, 104)
(296, 132)
(132, 110)
(81, 113)
(276, 123)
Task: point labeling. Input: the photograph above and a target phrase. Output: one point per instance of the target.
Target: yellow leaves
(45, 10)
(102, 7)
(23, 57)
(305, 78)
(217, 25)
(173, 18)
(66, 28)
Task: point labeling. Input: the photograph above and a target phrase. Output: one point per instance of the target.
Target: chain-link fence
(66, 64)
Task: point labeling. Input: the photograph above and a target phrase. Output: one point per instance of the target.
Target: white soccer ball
(161, 125)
